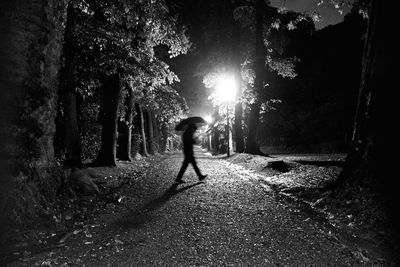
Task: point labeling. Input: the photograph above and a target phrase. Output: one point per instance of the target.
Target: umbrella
(182, 125)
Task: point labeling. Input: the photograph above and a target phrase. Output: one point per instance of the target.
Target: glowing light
(226, 88)
(208, 119)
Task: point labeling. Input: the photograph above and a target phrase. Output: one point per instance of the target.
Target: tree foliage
(123, 36)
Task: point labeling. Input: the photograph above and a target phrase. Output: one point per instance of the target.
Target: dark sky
(329, 14)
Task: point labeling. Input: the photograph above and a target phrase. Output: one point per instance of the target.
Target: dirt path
(230, 219)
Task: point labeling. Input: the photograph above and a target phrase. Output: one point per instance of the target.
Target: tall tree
(125, 129)
(29, 71)
(236, 70)
(252, 146)
(141, 128)
(150, 131)
(250, 26)
(111, 89)
(268, 61)
(156, 129)
(164, 137)
(68, 92)
(119, 35)
(370, 162)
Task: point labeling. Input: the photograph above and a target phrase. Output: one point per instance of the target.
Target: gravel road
(229, 219)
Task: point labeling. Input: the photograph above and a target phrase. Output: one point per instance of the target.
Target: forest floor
(302, 178)
(243, 214)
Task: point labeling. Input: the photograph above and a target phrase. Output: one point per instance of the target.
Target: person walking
(188, 142)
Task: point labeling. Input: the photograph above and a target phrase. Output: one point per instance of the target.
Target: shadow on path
(142, 215)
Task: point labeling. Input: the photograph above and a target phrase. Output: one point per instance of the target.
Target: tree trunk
(150, 131)
(125, 130)
(252, 146)
(239, 139)
(140, 123)
(29, 74)
(164, 137)
(111, 97)
(59, 136)
(30, 50)
(235, 61)
(368, 128)
(69, 97)
(157, 136)
(216, 142)
(72, 139)
(372, 160)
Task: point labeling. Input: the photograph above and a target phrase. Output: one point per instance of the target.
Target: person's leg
(185, 163)
(196, 169)
(194, 164)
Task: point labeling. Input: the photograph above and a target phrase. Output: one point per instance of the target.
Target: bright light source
(226, 88)
(208, 119)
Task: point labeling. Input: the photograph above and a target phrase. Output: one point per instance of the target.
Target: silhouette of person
(188, 141)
